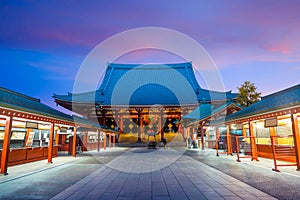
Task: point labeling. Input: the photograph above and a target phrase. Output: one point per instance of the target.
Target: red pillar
(50, 145)
(229, 145)
(140, 134)
(202, 138)
(109, 142)
(296, 138)
(114, 140)
(98, 140)
(159, 127)
(57, 139)
(74, 143)
(6, 145)
(252, 142)
(121, 123)
(104, 145)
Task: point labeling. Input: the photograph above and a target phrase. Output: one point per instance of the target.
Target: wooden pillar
(140, 117)
(272, 131)
(193, 132)
(109, 142)
(252, 142)
(103, 118)
(104, 143)
(296, 136)
(85, 140)
(244, 132)
(57, 139)
(229, 145)
(179, 127)
(197, 137)
(217, 140)
(50, 144)
(114, 140)
(121, 123)
(202, 138)
(74, 143)
(159, 127)
(98, 140)
(217, 134)
(26, 136)
(6, 145)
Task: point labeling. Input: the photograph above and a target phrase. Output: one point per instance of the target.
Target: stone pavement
(141, 173)
(181, 178)
(258, 174)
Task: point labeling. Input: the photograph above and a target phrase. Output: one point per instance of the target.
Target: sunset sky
(43, 43)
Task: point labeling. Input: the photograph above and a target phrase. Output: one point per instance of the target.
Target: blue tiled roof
(84, 121)
(287, 98)
(200, 112)
(20, 102)
(206, 110)
(148, 84)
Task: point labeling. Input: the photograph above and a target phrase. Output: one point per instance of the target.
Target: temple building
(140, 99)
(270, 127)
(198, 122)
(32, 131)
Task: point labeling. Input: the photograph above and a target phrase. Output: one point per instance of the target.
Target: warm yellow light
(18, 124)
(260, 124)
(283, 122)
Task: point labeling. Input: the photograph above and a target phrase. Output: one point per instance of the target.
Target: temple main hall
(139, 100)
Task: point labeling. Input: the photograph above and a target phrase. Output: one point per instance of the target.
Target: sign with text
(271, 122)
(32, 125)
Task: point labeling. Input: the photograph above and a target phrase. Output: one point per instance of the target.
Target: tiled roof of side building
(287, 98)
(206, 110)
(19, 102)
(85, 122)
(148, 84)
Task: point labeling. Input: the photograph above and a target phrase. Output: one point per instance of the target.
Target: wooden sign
(271, 122)
(30, 139)
(63, 129)
(33, 125)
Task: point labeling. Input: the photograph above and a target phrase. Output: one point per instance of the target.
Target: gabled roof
(19, 102)
(287, 98)
(200, 112)
(23, 103)
(207, 110)
(147, 86)
(85, 122)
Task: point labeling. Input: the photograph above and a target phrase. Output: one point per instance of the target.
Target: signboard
(31, 125)
(239, 126)
(1, 135)
(63, 129)
(30, 139)
(18, 135)
(271, 122)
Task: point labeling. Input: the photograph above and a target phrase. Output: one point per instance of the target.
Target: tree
(247, 94)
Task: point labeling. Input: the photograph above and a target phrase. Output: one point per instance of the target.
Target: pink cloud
(281, 48)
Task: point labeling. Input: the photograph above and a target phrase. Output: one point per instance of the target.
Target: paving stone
(161, 197)
(185, 178)
(212, 195)
(178, 196)
(224, 192)
(109, 196)
(143, 195)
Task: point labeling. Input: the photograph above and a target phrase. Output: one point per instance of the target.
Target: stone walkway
(181, 178)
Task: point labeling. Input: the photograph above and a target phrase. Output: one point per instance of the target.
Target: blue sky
(43, 43)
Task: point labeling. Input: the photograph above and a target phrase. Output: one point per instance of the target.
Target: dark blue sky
(43, 43)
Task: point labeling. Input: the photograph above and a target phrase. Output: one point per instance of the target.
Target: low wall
(265, 151)
(28, 154)
(93, 146)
